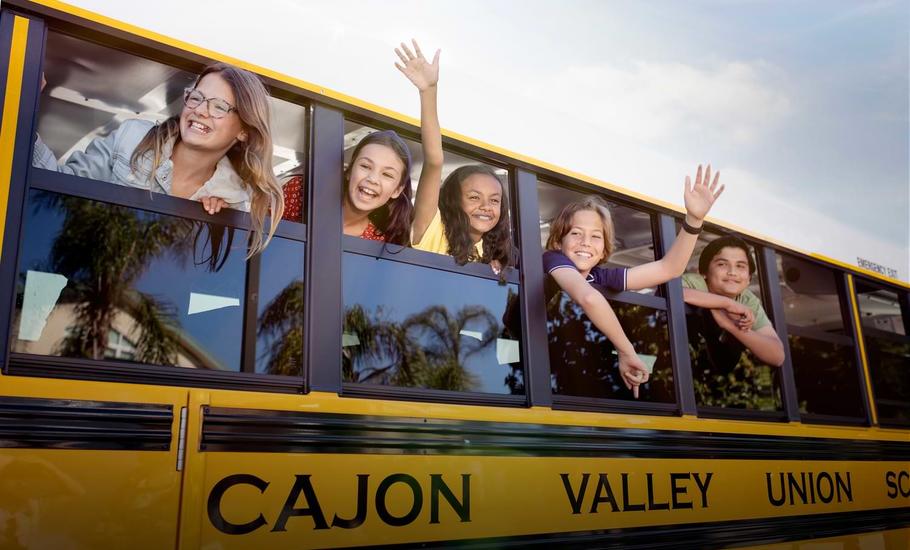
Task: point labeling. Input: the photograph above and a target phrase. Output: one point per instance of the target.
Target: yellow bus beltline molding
(11, 98)
(354, 102)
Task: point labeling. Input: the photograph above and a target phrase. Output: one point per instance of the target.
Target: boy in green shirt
(721, 287)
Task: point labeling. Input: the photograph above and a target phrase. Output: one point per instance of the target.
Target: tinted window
(101, 281)
(412, 326)
(583, 362)
(822, 350)
(887, 350)
(279, 342)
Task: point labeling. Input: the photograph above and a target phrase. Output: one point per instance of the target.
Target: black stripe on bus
(27, 422)
(245, 430)
(720, 534)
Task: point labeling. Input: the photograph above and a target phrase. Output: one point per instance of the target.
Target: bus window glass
(279, 333)
(583, 362)
(725, 372)
(99, 281)
(887, 350)
(355, 132)
(92, 90)
(412, 326)
(822, 350)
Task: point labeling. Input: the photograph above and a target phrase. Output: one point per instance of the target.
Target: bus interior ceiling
(92, 89)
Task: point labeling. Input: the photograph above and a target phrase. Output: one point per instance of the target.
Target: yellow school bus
(161, 390)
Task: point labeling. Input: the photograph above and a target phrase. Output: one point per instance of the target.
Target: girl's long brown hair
(394, 218)
(497, 242)
(251, 159)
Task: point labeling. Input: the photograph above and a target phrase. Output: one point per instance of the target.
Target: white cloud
(651, 101)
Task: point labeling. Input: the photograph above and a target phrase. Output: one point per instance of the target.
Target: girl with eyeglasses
(218, 151)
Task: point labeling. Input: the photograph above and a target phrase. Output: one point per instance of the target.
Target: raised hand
(414, 65)
(700, 197)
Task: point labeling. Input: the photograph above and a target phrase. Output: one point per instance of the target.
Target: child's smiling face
(375, 178)
(481, 201)
(584, 243)
(728, 273)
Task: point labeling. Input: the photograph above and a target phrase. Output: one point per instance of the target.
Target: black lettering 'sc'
(214, 504)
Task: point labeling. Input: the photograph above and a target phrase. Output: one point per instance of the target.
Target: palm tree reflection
(429, 349)
(103, 251)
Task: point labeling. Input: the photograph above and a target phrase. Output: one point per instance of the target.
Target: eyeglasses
(217, 107)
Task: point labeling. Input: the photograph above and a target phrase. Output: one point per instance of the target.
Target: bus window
(887, 350)
(583, 362)
(279, 330)
(92, 90)
(418, 320)
(725, 372)
(355, 132)
(101, 281)
(414, 326)
(821, 344)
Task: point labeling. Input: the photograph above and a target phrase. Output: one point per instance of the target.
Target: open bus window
(92, 90)
(725, 372)
(583, 362)
(633, 238)
(887, 350)
(100, 281)
(355, 132)
(821, 346)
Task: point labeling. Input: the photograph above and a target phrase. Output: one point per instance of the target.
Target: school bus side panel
(88, 465)
(311, 480)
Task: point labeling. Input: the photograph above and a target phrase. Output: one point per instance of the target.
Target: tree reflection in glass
(582, 359)
(128, 279)
(417, 327)
(279, 336)
(724, 372)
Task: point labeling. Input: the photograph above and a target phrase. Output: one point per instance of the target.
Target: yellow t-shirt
(434, 240)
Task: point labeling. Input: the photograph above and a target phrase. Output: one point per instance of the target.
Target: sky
(802, 106)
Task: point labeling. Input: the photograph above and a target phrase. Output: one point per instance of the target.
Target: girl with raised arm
(377, 188)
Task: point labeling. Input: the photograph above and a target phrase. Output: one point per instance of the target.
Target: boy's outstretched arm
(698, 199)
(598, 310)
(425, 76)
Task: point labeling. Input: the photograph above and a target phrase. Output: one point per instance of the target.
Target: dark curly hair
(497, 242)
(394, 218)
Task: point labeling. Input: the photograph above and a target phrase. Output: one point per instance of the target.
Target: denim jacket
(108, 159)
